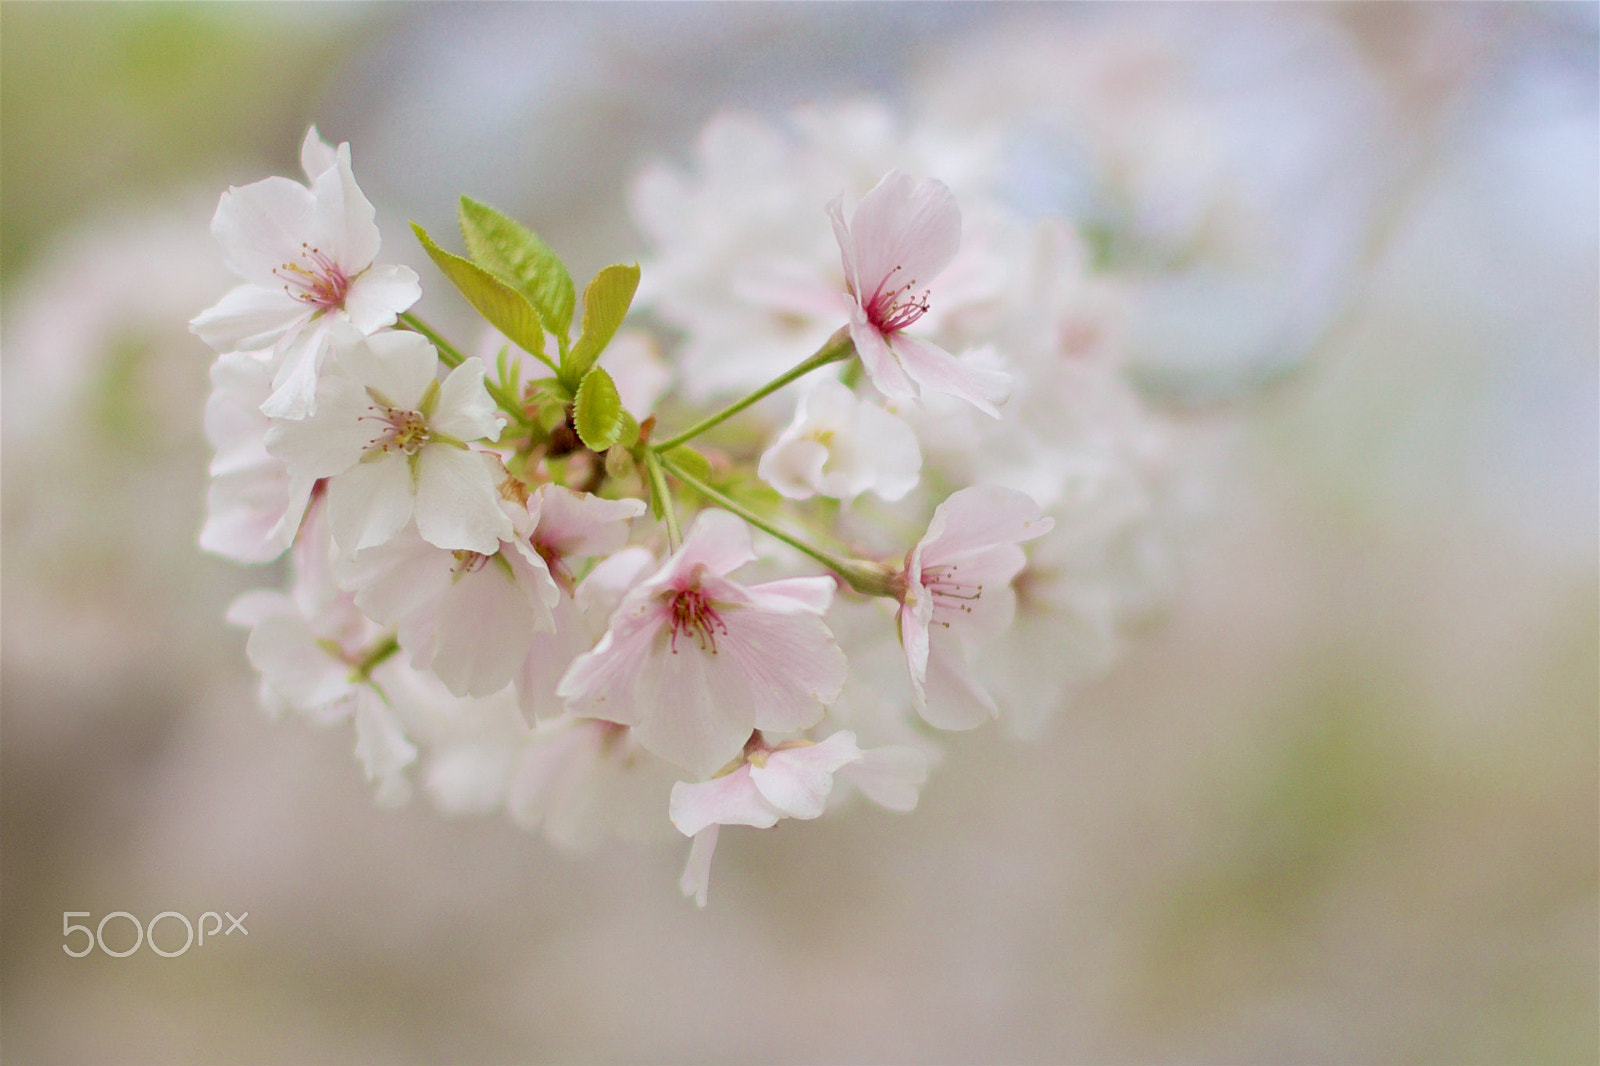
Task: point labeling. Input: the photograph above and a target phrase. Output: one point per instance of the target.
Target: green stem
(837, 347)
(452, 357)
(658, 485)
(380, 651)
(872, 579)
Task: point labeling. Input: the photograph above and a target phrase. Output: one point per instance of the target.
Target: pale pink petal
(696, 878)
(581, 524)
(905, 231)
(889, 776)
(891, 448)
(882, 366)
(914, 620)
(791, 594)
(731, 799)
(611, 579)
(979, 518)
(466, 411)
(381, 743)
(797, 780)
(328, 442)
(261, 226)
(477, 632)
(343, 224)
(294, 385)
(791, 665)
(252, 515)
(955, 698)
(294, 665)
(847, 247)
(717, 540)
(793, 467)
(370, 502)
(600, 683)
(458, 505)
(234, 425)
(316, 155)
(936, 370)
(378, 294)
(696, 709)
(397, 365)
(548, 657)
(250, 318)
(392, 580)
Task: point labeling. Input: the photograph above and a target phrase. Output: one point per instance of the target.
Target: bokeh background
(1337, 801)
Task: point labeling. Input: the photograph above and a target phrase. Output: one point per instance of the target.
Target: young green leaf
(690, 462)
(605, 304)
(515, 254)
(597, 411)
(505, 308)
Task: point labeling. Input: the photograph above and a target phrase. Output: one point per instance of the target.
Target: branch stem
(837, 347)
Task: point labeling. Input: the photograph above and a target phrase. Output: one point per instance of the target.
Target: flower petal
(378, 294)
(936, 370)
(457, 503)
(731, 799)
(955, 698)
(260, 227)
(696, 879)
(889, 776)
(370, 502)
(466, 411)
(797, 780)
(250, 318)
(906, 230)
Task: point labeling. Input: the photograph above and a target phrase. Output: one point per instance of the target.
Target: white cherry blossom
(391, 439)
(253, 504)
(841, 446)
(307, 257)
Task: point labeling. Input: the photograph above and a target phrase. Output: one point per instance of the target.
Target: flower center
(950, 593)
(403, 431)
(893, 309)
(694, 614)
(315, 279)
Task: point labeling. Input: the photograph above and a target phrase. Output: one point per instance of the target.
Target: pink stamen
(948, 593)
(404, 431)
(892, 310)
(694, 613)
(315, 279)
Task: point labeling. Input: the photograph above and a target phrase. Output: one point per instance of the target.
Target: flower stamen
(320, 282)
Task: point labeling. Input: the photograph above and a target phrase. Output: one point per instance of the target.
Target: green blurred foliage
(104, 103)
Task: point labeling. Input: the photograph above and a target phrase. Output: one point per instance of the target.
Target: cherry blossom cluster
(610, 592)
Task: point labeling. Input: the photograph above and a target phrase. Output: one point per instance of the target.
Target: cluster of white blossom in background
(888, 480)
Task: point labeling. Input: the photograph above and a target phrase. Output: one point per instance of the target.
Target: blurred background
(1338, 801)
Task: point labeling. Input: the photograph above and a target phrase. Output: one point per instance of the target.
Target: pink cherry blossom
(902, 234)
(957, 587)
(694, 660)
(790, 779)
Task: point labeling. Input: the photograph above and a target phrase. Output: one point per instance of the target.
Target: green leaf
(597, 411)
(505, 308)
(630, 431)
(515, 254)
(690, 462)
(605, 304)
